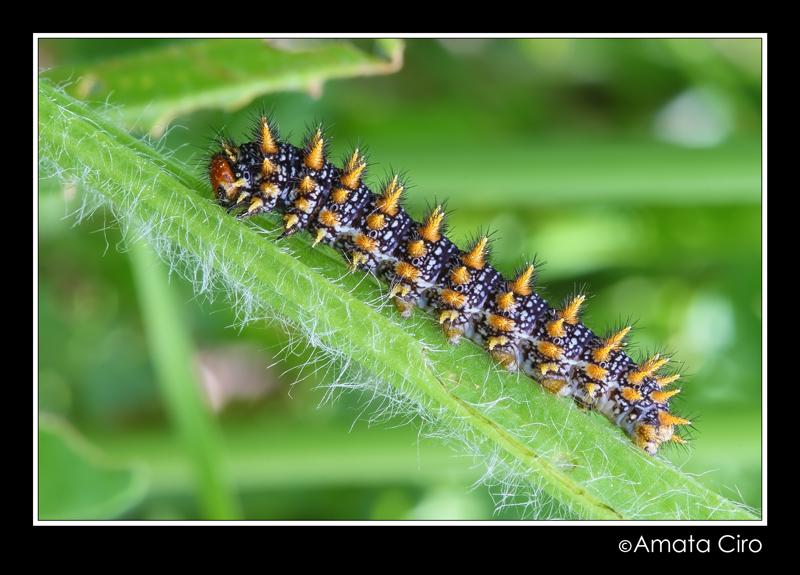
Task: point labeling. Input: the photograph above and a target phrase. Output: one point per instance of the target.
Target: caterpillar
(460, 288)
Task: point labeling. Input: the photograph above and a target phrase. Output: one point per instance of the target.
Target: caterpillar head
(223, 181)
(241, 178)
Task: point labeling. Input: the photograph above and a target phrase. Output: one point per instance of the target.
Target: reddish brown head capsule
(222, 178)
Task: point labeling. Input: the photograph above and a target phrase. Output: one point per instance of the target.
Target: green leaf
(545, 452)
(77, 481)
(157, 85)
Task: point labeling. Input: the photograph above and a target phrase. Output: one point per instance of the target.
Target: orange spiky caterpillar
(460, 288)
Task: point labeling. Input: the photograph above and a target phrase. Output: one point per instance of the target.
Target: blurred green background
(630, 166)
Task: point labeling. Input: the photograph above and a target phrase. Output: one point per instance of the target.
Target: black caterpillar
(460, 288)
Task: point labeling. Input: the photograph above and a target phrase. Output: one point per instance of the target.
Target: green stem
(532, 443)
(173, 357)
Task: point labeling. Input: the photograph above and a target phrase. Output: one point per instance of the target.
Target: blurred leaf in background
(632, 166)
(77, 481)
